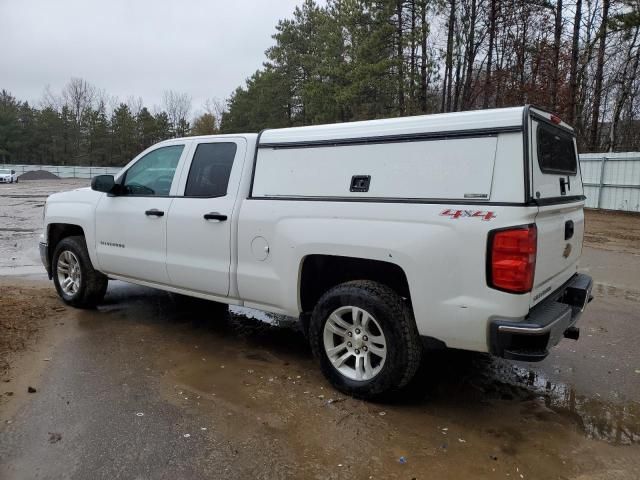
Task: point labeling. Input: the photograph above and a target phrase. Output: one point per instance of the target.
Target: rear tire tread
(403, 365)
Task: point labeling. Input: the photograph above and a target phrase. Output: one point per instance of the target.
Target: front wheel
(365, 337)
(76, 281)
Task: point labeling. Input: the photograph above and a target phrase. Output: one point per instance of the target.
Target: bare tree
(400, 53)
(424, 33)
(178, 106)
(448, 69)
(78, 96)
(575, 52)
(470, 55)
(108, 102)
(625, 83)
(557, 38)
(135, 104)
(597, 91)
(493, 12)
(215, 107)
(50, 99)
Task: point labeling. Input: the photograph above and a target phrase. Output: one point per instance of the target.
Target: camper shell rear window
(556, 153)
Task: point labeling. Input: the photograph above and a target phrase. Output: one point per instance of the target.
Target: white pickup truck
(384, 237)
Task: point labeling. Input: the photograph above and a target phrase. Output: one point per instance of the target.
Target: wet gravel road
(152, 386)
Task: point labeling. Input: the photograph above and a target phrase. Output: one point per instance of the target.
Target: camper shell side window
(556, 151)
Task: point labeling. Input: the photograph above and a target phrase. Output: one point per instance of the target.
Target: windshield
(4, 172)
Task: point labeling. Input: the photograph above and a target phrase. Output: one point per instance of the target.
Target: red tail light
(511, 260)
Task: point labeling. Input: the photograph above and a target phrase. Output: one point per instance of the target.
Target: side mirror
(103, 183)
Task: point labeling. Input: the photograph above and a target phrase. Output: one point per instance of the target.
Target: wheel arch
(320, 272)
(59, 231)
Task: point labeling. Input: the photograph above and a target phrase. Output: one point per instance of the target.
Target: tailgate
(556, 186)
(560, 234)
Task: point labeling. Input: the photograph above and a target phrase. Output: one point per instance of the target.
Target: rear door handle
(154, 212)
(215, 216)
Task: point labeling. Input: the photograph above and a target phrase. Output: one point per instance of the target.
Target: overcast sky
(205, 48)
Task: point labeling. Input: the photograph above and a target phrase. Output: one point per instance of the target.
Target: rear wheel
(365, 337)
(76, 281)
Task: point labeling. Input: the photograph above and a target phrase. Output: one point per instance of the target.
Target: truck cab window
(153, 173)
(210, 170)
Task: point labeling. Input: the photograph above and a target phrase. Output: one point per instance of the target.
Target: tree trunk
(446, 88)
(470, 58)
(412, 83)
(573, 75)
(492, 37)
(522, 57)
(424, 30)
(628, 75)
(597, 91)
(456, 93)
(557, 38)
(401, 104)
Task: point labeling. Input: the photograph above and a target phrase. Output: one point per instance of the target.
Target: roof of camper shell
(494, 119)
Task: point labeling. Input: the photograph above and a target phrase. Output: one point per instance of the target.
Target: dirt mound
(39, 175)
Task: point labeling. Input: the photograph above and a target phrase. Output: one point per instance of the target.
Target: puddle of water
(446, 378)
(615, 423)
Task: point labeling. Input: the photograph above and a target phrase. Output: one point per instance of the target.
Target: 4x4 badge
(454, 214)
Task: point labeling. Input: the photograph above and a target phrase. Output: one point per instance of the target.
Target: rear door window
(210, 170)
(556, 153)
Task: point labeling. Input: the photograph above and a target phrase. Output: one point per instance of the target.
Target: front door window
(152, 175)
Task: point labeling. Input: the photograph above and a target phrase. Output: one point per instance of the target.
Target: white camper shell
(462, 157)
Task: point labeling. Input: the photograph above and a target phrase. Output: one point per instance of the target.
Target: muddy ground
(613, 231)
(149, 386)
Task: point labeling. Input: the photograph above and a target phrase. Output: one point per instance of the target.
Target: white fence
(611, 180)
(64, 171)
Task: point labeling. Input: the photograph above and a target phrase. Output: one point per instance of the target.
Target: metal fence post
(601, 187)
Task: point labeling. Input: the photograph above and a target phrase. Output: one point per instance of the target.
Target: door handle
(215, 216)
(154, 212)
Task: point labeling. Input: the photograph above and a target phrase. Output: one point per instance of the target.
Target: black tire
(93, 284)
(395, 317)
